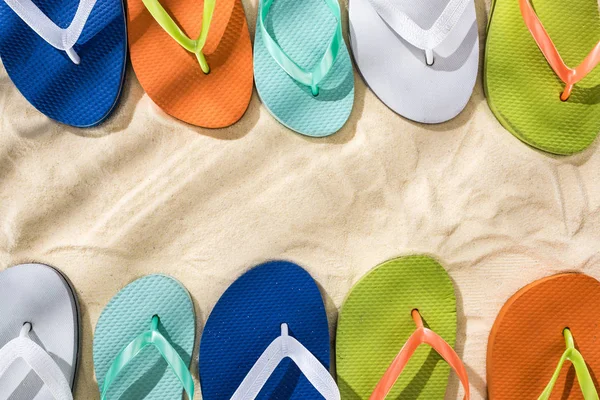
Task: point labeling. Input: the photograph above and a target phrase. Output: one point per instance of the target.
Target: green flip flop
(144, 340)
(302, 68)
(530, 44)
(377, 324)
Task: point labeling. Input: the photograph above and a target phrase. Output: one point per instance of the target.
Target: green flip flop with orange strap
(389, 314)
(541, 71)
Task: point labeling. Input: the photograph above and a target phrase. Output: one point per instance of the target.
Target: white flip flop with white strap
(39, 334)
(420, 57)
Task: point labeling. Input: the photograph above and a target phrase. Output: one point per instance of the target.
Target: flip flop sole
(248, 317)
(42, 296)
(172, 77)
(129, 314)
(375, 322)
(526, 341)
(303, 29)
(79, 95)
(524, 92)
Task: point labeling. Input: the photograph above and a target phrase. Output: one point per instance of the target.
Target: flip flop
(546, 323)
(530, 88)
(302, 67)
(39, 334)
(144, 341)
(389, 313)
(66, 57)
(268, 338)
(205, 82)
(420, 58)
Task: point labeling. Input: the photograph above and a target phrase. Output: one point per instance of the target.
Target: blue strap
(308, 78)
(155, 338)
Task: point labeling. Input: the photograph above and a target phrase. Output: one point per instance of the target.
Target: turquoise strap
(586, 383)
(193, 46)
(308, 78)
(155, 338)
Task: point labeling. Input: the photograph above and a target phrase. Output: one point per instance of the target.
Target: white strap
(282, 347)
(38, 360)
(425, 39)
(61, 39)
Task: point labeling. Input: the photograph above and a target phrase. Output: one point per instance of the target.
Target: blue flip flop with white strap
(268, 338)
(67, 57)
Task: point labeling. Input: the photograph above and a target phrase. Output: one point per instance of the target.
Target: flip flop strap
(151, 338)
(424, 39)
(61, 39)
(282, 347)
(38, 360)
(309, 78)
(170, 26)
(586, 383)
(570, 76)
(421, 336)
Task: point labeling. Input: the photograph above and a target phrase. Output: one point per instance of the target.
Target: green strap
(193, 46)
(583, 374)
(308, 78)
(155, 338)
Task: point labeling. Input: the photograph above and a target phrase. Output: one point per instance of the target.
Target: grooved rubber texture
(524, 92)
(303, 29)
(527, 341)
(78, 95)
(172, 76)
(128, 315)
(375, 321)
(38, 294)
(248, 318)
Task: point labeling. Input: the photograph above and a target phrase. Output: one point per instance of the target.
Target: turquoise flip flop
(153, 313)
(302, 68)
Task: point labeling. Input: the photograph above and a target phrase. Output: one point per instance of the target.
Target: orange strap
(421, 336)
(570, 76)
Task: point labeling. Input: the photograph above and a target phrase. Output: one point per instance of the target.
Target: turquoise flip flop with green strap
(144, 341)
(302, 68)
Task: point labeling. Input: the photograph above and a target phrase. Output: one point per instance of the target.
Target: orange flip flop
(205, 82)
(546, 323)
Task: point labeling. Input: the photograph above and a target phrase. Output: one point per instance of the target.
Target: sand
(144, 193)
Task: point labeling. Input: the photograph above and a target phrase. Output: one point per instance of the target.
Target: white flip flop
(420, 58)
(39, 334)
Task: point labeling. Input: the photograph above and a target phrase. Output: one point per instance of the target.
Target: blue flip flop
(302, 68)
(67, 57)
(268, 338)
